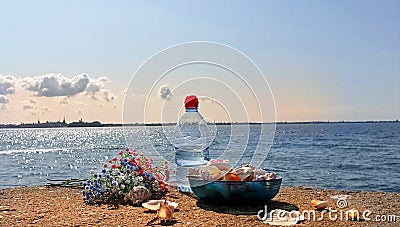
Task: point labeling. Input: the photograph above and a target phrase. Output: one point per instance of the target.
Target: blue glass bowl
(235, 192)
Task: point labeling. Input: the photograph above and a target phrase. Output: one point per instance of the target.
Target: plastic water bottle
(192, 139)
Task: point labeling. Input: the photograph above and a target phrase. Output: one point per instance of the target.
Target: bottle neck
(191, 109)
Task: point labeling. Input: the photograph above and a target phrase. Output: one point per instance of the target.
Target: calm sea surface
(350, 156)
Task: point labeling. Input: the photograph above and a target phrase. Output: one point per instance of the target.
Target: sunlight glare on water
(352, 156)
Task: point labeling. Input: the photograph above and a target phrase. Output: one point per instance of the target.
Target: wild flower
(117, 178)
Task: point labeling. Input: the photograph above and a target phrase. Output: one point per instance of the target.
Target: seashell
(193, 172)
(231, 177)
(155, 204)
(267, 176)
(222, 165)
(165, 211)
(206, 173)
(243, 173)
(271, 176)
(319, 204)
(259, 172)
(213, 171)
(138, 194)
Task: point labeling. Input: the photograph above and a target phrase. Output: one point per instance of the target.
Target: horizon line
(98, 123)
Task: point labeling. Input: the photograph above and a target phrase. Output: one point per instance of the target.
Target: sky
(323, 60)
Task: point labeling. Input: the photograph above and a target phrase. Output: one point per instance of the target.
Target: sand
(60, 206)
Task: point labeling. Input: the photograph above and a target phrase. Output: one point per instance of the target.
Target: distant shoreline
(99, 124)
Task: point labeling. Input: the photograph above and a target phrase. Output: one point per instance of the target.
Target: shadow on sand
(246, 209)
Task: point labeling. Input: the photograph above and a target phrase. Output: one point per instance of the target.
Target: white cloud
(8, 84)
(164, 92)
(29, 104)
(97, 86)
(4, 99)
(52, 85)
(57, 85)
(108, 96)
(92, 90)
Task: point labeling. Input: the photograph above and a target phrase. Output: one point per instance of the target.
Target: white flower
(140, 178)
(91, 171)
(127, 181)
(122, 186)
(120, 179)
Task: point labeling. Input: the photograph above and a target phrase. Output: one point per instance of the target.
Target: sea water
(346, 156)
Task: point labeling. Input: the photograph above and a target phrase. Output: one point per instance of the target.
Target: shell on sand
(318, 204)
(155, 204)
(165, 211)
(138, 194)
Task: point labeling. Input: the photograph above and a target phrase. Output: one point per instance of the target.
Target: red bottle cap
(191, 101)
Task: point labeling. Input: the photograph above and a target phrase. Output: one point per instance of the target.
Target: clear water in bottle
(192, 138)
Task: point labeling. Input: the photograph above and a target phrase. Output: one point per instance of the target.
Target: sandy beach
(60, 206)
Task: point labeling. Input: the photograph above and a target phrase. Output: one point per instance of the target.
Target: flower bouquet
(131, 176)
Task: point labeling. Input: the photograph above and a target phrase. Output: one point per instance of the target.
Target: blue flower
(104, 171)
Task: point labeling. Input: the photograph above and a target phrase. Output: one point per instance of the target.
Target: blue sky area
(324, 60)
